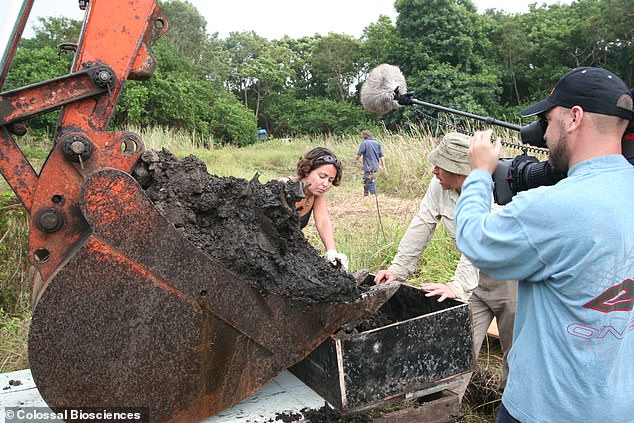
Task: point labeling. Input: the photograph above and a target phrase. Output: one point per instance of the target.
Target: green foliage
(180, 103)
(322, 116)
(233, 123)
(186, 30)
(305, 84)
(444, 50)
(176, 99)
(268, 73)
(451, 87)
(535, 49)
(437, 31)
(335, 61)
(54, 31)
(131, 107)
(378, 40)
(244, 49)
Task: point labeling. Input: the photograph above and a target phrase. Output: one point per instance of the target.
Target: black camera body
(520, 174)
(524, 172)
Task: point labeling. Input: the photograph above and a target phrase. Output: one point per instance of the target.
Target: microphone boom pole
(385, 90)
(488, 120)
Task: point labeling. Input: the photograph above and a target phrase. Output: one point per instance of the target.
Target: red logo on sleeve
(617, 298)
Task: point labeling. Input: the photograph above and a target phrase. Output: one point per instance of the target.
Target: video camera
(523, 172)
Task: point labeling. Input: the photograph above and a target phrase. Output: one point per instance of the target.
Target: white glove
(333, 257)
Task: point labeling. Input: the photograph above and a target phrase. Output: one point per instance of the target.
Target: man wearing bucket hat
(487, 298)
(571, 245)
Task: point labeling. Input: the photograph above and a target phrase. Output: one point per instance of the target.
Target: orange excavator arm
(127, 312)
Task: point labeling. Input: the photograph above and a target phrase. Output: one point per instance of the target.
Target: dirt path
(348, 207)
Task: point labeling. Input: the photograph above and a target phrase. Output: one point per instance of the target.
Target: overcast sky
(274, 18)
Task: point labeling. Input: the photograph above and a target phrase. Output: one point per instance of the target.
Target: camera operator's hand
(483, 154)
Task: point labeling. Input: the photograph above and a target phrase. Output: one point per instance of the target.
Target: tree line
(225, 88)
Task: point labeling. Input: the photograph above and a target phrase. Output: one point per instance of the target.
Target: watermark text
(75, 415)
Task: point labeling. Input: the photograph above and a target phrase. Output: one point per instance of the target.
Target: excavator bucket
(138, 317)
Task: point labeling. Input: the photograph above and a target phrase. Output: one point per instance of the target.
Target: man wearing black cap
(571, 245)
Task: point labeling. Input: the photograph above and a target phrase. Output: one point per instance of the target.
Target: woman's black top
(303, 220)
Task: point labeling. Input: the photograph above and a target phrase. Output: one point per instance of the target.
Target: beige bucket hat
(451, 153)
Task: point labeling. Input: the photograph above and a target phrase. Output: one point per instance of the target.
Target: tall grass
(15, 283)
(13, 340)
(16, 272)
(406, 155)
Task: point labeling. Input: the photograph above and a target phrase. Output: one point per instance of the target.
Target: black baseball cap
(595, 90)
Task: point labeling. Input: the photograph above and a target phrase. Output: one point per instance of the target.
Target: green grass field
(367, 229)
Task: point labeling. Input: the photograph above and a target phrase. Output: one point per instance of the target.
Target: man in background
(373, 159)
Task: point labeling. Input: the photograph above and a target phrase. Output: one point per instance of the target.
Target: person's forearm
(412, 245)
(323, 223)
(464, 279)
(327, 235)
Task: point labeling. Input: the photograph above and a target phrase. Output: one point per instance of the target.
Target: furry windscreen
(377, 93)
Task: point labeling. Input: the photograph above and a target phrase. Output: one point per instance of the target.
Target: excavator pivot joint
(49, 220)
(76, 148)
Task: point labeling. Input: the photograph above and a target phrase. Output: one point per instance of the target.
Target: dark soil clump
(325, 414)
(249, 227)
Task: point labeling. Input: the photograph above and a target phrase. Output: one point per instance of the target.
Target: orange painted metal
(113, 34)
(27, 102)
(16, 169)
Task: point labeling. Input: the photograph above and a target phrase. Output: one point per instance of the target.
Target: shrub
(232, 123)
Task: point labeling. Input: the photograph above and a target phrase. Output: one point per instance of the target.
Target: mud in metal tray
(419, 347)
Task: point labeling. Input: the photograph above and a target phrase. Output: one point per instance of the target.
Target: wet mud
(325, 414)
(247, 226)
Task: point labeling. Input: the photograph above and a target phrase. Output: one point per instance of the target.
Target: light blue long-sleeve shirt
(571, 245)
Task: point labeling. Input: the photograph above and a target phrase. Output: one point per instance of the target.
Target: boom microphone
(385, 90)
(378, 90)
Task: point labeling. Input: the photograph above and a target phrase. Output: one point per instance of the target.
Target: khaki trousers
(491, 299)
